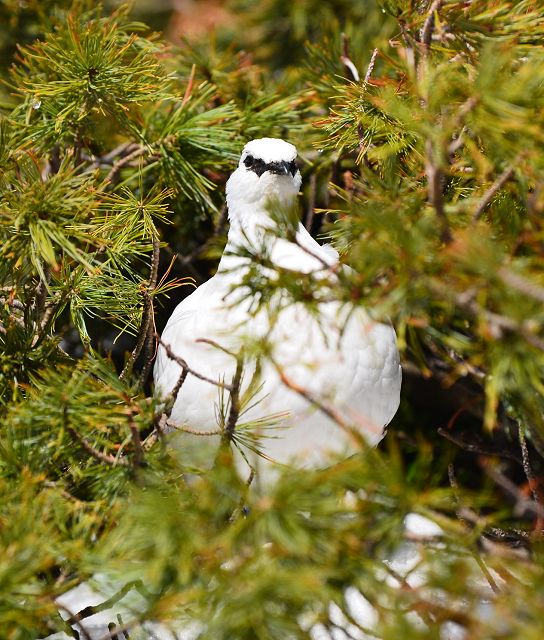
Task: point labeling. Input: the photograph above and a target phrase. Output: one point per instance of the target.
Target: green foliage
(93, 68)
(420, 133)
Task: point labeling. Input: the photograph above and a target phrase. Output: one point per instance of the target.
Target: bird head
(267, 170)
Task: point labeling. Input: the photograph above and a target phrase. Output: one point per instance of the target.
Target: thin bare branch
(521, 284)
(531, 480)
(149, 344)
(370, 67)
(108, 459)
(74, 632)
(435, 179)
(216, 345)
(426, 34)
(136, 440)
(145, 333)
(183, 364)
(310, 209)
(522, 503)
(188, 90)
(492, 191)
(499, 324)
(194, 432)
(142, 336)
(477, 448)
(103, 606)
(234, 411)
(140, 150)
(325, 408)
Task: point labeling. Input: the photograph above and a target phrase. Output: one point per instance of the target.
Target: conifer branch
(310, 207)
(112, 461)
(149, 344)
(234, 410)
(146, 331)
(194, 432)
(500, 323)
(189, 88)
(124, 160)
(522, 503)
(521, 284)
(92, 610)
(532, 482)
(136, 440)
(142, 336)
(426, 33)
(435, 180)
(492, 191)
(370, 67)
(476, 447)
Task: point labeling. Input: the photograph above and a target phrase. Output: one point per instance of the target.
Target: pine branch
(521, 284)
(426, 34)
(106, 458)
(492, 191)
(234, 411)
(435, 186)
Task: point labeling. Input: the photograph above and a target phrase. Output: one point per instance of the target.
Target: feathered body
(340, 356)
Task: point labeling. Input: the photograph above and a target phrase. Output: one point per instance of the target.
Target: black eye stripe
(258, 166)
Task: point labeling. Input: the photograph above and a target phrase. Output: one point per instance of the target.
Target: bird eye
(248, 161)
(293, 167)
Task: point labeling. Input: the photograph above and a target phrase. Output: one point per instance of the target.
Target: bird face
(267, 169)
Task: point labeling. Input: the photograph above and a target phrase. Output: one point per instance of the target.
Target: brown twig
(121, 162)
(183, 364)
(370, 67)
(145, 333)
(492, 191)
(149, 344)
(194, 432)
(234, 411)
(435, 179)
(103, 606)
(136, 440)
(75, 633)
(522, 503)
(310, 209)
(473, 447)
(521, 284)
(531, 480)
(108, 459)
(426, 34)
(189, 88)
(498, 323)
(142, 336)
(326, 409)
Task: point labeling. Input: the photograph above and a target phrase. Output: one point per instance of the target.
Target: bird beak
(279, 168)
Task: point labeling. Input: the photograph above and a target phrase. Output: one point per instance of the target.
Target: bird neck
(248, 225)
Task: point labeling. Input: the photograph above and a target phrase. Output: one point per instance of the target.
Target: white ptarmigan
(339, 355)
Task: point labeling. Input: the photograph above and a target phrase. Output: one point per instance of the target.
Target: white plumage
(341, 356)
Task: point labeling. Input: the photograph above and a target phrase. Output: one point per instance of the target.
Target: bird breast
(339, 356)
